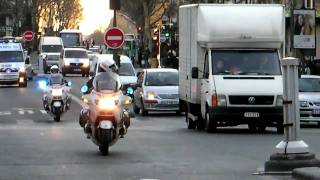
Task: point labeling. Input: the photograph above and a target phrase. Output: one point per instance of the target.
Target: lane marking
(5, 113)
(25, 122)
(78, 101)
(21, 112)
(43, 111)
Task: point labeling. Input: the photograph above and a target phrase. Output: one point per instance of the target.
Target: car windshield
(70, 39)
(245, 62)
(11, 56)
(56, 80)
(76, 54)
(309, 85)
(53, 57)
(51, 48)
(162, 79)
(126, 69)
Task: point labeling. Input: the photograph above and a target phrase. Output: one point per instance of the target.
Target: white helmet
(54, 69)
(108, 65)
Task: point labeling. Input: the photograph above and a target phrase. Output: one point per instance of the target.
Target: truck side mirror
(195, 73)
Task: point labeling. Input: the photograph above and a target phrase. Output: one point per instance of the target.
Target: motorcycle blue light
(84, 89)
(130, 90)
(69, 83)
(42, 84)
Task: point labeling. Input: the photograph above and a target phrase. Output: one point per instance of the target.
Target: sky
(96, 15)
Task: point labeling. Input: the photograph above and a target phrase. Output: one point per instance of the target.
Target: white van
(230, 72)
(15, 66)
(49, 50)
(74, 61)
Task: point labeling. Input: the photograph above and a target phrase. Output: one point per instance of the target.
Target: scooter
(104, 118)
(56, 100)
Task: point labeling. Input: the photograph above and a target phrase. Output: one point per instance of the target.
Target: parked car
(74, 60)
(309, 97)
(157, 90)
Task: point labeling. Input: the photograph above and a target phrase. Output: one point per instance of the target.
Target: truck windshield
(76, 54)
(51, 48)
(11, 56)
(245, 62)
(70, 39)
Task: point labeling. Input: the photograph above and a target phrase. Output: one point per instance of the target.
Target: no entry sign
(114, 38)
(28, 36)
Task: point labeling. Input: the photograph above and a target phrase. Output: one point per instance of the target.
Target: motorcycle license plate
(251, 114)
(316, 111)
(77, 70)
(57, 104)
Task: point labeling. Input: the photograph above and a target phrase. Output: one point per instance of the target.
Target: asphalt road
(33, 146)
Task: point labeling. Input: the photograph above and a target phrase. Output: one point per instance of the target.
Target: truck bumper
(236, 116)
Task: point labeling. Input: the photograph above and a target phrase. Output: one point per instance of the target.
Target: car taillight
(214, 101)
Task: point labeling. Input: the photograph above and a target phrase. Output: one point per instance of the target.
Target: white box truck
(230, 72)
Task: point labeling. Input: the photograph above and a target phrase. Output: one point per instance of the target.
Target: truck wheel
(190, 123)
(280, 128)
(210, 123)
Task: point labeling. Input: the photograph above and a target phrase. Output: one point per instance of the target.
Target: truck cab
(230, 72)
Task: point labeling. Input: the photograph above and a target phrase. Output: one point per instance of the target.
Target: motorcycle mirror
(84, 89)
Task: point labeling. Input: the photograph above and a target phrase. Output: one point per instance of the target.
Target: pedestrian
(153, 61)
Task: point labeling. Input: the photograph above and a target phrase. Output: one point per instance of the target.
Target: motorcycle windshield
(106, 81)
(56, 80)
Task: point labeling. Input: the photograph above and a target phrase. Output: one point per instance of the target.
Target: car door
(139, 90)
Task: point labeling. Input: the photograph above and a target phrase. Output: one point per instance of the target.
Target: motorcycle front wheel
(57, 118)
(105, 138)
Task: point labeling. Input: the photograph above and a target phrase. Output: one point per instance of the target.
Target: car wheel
(318, 124)
(210, 123)
(253, 128)
(190, 123)
(262, 128)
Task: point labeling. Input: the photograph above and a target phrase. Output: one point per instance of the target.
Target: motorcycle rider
(56, 78)
(108, 72)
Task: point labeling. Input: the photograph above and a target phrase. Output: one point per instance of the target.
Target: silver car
(309, 97)
(157, 90)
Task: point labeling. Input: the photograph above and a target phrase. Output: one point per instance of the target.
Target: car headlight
(86, 64)
(56, 92)
(279, 101)
(304, 104)
(151, 95)
(66, 63)
(107, 104)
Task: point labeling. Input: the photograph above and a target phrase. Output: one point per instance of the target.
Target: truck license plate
(251, 114)
(170, 102)
(316, 111)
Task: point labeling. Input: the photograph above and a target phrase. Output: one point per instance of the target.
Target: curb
(310, 173)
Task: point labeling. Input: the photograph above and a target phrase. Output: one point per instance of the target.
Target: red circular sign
(28, 36)
(114, 38)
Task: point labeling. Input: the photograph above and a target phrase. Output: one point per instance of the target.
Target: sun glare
(96, 15)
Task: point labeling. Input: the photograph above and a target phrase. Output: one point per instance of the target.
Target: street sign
(114, 38)
(28, 36)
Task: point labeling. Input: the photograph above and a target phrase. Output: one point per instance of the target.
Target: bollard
(292, 152)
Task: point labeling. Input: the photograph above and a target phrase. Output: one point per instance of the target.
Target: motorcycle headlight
(129, 90)
(279, 100)
(304, 104)
(56, 92)
(22, 69)
(107, 104)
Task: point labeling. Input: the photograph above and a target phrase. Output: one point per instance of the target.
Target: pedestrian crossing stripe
(21, 112)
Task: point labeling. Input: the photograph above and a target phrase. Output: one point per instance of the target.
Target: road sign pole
(116, 57)
(292, 152)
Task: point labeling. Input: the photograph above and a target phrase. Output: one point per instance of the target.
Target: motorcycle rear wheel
(57, 118)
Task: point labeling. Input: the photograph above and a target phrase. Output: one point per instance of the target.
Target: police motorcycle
(56, 98)
(104, 117)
